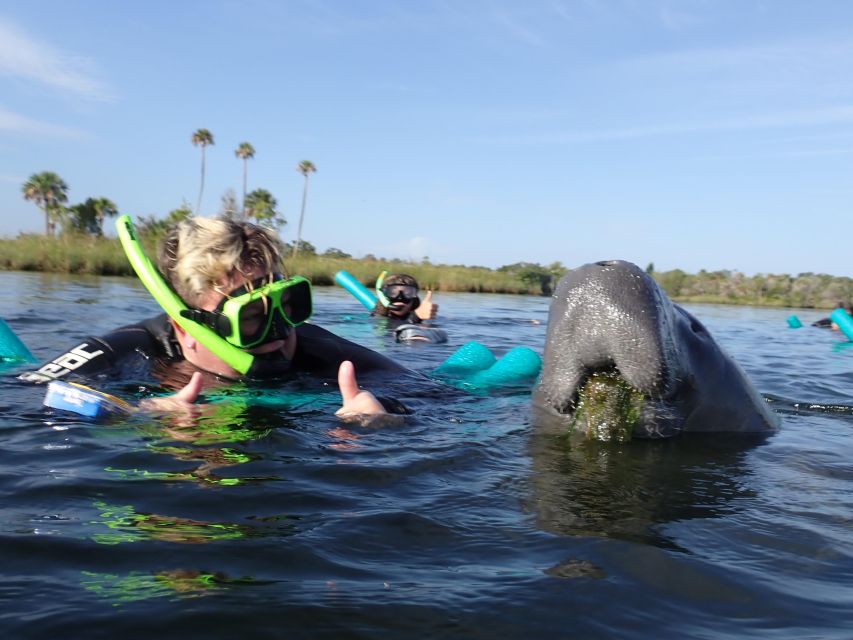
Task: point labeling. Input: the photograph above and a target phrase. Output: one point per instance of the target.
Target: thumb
(347, 382)
(428, 296)
(190, 392)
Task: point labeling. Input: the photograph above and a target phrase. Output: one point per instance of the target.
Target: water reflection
(137, 586)
(128, 525)
(630, 491)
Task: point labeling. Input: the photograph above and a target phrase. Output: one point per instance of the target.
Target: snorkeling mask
(257, 313)
(404, 289)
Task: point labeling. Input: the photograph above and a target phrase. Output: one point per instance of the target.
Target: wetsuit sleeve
(96, 355)
(321, 352)
(392, 405)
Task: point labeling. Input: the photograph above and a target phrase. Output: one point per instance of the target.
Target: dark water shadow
(630, 491)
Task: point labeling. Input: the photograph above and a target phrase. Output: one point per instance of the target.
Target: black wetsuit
(318, 351)
(395, 321)
(411, 328)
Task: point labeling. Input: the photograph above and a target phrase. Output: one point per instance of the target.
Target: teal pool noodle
(519, 365)
(844, 322)
(470, 358)
(357, 289)
(11, 347)
(794, 322)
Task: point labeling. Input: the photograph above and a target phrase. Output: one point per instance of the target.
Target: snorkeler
(397, 298)
(827, 323)
(230, 314)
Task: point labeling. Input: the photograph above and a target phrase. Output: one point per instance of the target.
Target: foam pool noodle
(475, 366)
(12, 350)
(358, 290)
(519, 365)
(470, 358)
(794, 322)
(844, 322)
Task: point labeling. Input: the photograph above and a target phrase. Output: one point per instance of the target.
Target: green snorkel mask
(248, 316)
(220, 332)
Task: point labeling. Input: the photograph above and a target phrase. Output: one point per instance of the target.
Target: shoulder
(96, 355)
(321, 351)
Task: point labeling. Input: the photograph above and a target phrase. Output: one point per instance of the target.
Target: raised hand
(427, 309)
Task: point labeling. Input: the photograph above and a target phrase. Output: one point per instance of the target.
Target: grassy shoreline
(89, 255)
(92, 255)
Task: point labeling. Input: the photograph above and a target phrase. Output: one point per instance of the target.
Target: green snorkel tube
(379, 294)
(170, 302)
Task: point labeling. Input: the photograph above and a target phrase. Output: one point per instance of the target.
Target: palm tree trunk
(201, 186)
(301, 217)
(245, 162)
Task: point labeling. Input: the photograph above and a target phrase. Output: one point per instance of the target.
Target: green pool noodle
(11, 347)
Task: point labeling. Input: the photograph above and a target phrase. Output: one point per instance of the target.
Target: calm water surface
(265, 517)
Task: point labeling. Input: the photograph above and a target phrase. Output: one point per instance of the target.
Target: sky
(691, 134)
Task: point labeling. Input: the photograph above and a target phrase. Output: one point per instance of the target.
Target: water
(268, 518)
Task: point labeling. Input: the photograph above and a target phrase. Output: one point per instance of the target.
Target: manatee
(622, 360)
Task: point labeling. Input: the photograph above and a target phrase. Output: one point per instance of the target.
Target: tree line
(49, 192)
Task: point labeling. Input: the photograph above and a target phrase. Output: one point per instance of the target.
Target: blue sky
(694, 134)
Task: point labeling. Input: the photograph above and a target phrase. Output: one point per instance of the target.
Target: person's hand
(359, 405)
(180, 401)
(427, 309)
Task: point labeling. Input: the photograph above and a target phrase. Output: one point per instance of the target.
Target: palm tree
(261, 205)
(201, 138)
(244, 151)
(88, 217)
(103, 208)
(48, 191)
(305, 167)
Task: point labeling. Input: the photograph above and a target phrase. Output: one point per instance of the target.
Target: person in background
(229, 275)
(397, 298)
(827, 323)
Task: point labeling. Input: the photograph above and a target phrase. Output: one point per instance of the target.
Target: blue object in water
(357, 289)
(844, 322)
(84, 401)
(11, 347)
(474, 365)
(519, 365)
(794, 322)
(470, 358)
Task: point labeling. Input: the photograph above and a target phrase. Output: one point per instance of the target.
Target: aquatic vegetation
(608, 408)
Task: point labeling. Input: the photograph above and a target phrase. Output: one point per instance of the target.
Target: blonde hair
(198, 252)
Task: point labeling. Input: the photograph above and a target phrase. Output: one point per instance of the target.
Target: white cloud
(22, 56)
(17, 123)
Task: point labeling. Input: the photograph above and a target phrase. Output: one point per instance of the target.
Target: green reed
(82, 254)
